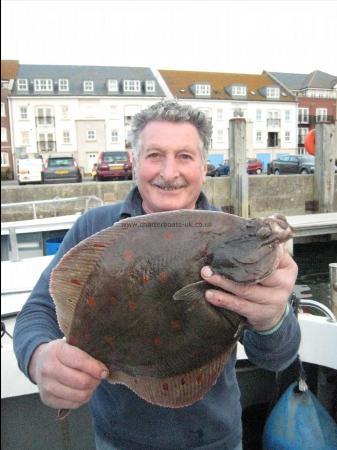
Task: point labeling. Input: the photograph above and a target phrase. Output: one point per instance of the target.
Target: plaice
(132, 297)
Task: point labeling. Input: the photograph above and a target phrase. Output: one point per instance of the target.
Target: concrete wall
(288, 194)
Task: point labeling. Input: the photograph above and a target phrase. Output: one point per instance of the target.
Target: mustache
(169, 185)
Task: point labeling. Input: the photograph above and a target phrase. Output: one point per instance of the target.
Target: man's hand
(262, 304)
(66, 376)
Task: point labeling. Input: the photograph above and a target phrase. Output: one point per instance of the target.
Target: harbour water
(313, 263)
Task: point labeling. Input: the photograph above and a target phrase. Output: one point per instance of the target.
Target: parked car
(210, 169)
(29, 169)
(114, 165)
(61, 169)
(254, 166)
(288, 164)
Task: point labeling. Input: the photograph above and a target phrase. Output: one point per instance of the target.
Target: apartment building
(269, 108)
(316, 93)
(78, 110)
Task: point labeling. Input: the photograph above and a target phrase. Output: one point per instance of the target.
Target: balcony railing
(46, 146)
(45, 120)
(273, 122)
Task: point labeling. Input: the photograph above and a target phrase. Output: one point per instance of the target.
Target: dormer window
(63, 85)
(239, 91)
(273, 92)
(22, 84)
(203, 89)
(131, 86)
(88, 86)
(113, 85)
(150, 86)
(43, 85)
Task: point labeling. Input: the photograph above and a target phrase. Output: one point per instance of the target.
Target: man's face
(170, 170)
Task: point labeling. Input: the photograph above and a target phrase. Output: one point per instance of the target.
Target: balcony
(45, 120)
(273, 123)
(321, 119)
(46, 146)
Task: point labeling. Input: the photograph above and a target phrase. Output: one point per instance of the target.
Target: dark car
(288, 164)
(254, 166)
(210, 169)
(222, 169)
(114, 165)
(61, 169)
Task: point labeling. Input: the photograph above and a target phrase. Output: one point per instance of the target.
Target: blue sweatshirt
(119, 415)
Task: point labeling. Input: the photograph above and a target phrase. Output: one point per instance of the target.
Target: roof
(299, 81)
(9, 68)
(180, 83)
(77, 74)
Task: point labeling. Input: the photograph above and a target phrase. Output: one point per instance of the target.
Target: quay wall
(287, 194)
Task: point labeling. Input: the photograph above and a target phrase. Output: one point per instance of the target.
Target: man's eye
(185, 156)
(153, 155)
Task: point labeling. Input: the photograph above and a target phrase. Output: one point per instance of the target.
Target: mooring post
(237, 163)
(326, 153)
(333, 287)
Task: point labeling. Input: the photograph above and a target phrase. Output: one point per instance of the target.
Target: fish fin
(192, 292)
(179, 390)
(69, 277)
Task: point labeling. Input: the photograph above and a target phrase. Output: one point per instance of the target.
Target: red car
(114, 165)
(254, 166)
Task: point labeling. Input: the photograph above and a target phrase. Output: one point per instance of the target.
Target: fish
(132, 297)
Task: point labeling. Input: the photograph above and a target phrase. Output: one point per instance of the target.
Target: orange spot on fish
(165, 387)
(91, 301)
(157, 340)
(176, 325)
(109, 339)
(128, 255)
(168, 235)
(162, 277)
(76, 281)
(146, 279)
(199, 379)
(132, 306)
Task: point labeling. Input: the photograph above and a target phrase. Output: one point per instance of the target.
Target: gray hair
(171, 111)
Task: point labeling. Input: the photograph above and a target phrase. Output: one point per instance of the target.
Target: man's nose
(169, 169)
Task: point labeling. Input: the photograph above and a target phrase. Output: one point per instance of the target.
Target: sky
(242, 36)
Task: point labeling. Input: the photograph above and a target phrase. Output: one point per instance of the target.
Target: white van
(30, 170)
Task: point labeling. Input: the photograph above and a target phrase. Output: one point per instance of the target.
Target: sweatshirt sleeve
(275, 351)
(36, 323)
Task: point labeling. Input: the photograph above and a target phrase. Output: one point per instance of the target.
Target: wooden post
(238, 169)
(324, 181)
(333, 287)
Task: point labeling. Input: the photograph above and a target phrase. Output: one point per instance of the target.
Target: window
(4, 159)
(219, 114)
(273, 92)
(113, 85)
(239, 91)
(91, 135)
(287, 115)
(46, 142)
(258, 115)
(44, 116)
(303, 115)
(302, 132)
(114, 136)
(44, 85)
(321, 114)
(66, 137)
(88, 86)
(23, 112)
(25, 137)
(65, 111)
(3, 134)
(258, 137)
(219, 135)
(4, 84)
(150, 86)
(63, 85)
(22, 84)
(131, 86)
(202, 89)
(287, 136)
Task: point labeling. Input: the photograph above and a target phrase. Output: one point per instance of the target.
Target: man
(170, 144)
